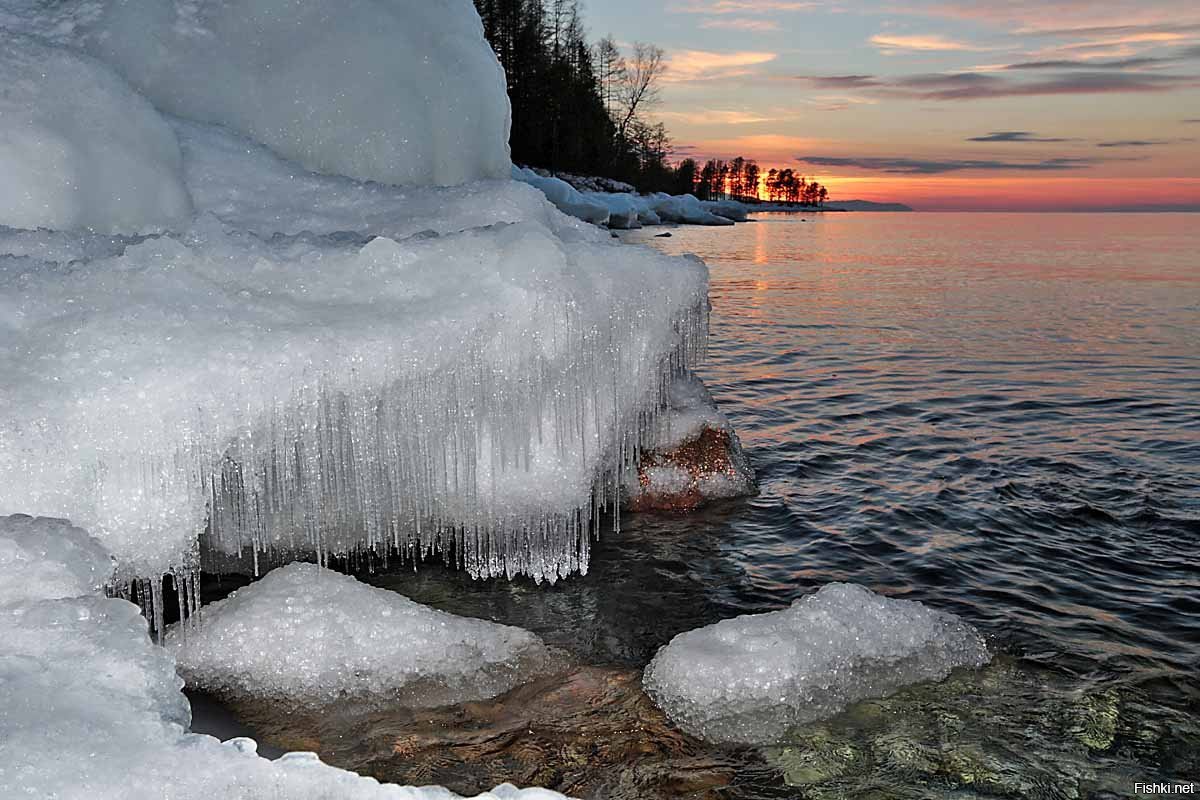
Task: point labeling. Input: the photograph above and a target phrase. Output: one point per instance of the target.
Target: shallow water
(997, 415)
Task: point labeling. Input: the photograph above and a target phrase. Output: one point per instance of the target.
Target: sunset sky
(1044, 104)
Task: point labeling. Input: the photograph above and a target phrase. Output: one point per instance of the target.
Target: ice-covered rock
(92, 710)
(684, 209)
(693, 457)
(398, 91)
(750, 678)
(79, 148)
(49, 558)
(565, 197)
(729, 209)
(307, 635)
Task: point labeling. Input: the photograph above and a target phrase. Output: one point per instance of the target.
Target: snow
(396, 91)
(79, 148)
(750, 678)
(307, 635)
(93, 708)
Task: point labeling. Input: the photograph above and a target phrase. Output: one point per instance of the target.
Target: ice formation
(750, 678)
(93, 711)
(304, 634)
(398, 91)
(314, 363)
(79, 148)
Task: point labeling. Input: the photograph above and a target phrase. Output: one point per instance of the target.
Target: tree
(638, 86)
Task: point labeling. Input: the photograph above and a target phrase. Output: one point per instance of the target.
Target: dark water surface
(997, 415)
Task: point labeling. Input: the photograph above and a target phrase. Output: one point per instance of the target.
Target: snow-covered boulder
(729, 209)
(79, 148)
(397, 91)
(684, 209)
(565, 197)
(693, 457)
(308, 635)
(750, 678)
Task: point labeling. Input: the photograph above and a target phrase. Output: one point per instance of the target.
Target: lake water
(997, 415)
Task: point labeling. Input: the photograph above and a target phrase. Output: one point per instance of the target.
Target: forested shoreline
(585, 109)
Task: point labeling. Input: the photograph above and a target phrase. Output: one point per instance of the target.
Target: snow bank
(79, 148)
(479, 373)
(93, 711)
(749, 678)
(398, 91)
(312, 636)
(729, 209)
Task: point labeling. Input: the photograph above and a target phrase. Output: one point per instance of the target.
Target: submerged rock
(589, 732)
(1012, 729)
(695, 456)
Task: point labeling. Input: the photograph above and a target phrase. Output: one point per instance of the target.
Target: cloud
(1191, 121)
(702, 65)
(1133, 143)
(841, 81)
(715, 117)
(948, 86)
(741, 6)
(741, 24)
(1014, 136)
(931, 42)
(914, 166)
(1070, 64)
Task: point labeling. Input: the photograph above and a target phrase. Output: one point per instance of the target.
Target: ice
(685, 209)
(585, 206)
(252, 189)
(750, 678)
(324, 394)
(627, 210)
(307, 635)
(397, 91)
(49, 559)
(93, 710)
(79, 148)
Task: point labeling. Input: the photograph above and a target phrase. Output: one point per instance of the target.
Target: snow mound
(750, 678)
(79, 148)
(398, 91)
(93, 708)
(49, 559)
(309, 635)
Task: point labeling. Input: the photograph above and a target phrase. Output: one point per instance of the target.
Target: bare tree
(639, 88)
(610, 71)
